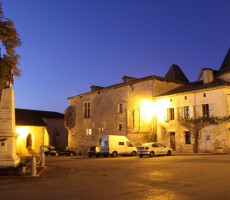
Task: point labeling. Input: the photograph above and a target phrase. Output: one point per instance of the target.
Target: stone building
(134, 108)
(206, 100)
(35, 128)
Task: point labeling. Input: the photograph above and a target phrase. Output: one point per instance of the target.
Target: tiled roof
(198, 85)
(176, 74)
(35, 117)
(225, 67)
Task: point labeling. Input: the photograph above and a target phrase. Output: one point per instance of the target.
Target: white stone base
(9, 160)
(8, 156)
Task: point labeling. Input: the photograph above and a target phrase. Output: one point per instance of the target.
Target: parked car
(52, 151)
(48, 150)
(153, 149)
(94, 151)
(65, 152)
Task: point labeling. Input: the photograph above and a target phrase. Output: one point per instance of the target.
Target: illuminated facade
(148, 109)
(35, 128)
(122, 109)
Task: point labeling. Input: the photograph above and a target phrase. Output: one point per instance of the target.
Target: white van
(116, 144)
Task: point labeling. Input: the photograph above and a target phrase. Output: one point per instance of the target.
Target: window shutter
(179, 112)
(210, 110)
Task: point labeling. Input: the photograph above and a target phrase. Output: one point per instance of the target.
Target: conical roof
(176, 74)
(225, 67)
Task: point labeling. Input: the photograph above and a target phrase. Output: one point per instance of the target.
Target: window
(88, 131)
(204, 94)
(186, 112)
(185, 97)
(129, 144)
(120, 127)
(121, 143)
(87, 110)
(187, 137)
(205, 110)
(170, 113)
(160, 145)
(154, 145)
(120, 108)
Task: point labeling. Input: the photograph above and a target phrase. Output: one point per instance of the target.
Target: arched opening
(29, 141)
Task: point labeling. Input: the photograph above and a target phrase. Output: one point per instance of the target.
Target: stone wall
(105, 118)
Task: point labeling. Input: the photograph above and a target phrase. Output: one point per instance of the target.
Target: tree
(196, 124)
(10, 40)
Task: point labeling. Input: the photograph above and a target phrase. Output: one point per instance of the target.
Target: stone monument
(8, 156)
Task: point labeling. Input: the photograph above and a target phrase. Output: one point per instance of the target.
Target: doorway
(172, 141)
(29, 141)
(206, 141)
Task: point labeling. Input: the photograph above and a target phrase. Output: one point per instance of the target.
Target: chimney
(207, 75)
(95, 88)
(127, 79)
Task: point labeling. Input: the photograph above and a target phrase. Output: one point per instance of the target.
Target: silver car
(153, 149)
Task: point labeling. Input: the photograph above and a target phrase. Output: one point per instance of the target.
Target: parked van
(116, 144)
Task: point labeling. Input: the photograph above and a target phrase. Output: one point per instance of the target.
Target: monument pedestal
(8, 156)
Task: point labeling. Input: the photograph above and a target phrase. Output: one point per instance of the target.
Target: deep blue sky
(67, 46)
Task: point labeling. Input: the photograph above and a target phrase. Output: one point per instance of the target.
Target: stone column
(8, 156)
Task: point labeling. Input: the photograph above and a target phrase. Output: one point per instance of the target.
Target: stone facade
(118, 110)
(211, 136)
(115, 110)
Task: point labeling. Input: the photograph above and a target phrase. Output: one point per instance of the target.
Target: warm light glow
(22, 133)
(147, 109)
(161, 109)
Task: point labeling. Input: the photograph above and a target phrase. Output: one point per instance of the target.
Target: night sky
(67, 46)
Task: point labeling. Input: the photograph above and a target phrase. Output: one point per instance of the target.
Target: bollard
(43, 160)
(33, 166)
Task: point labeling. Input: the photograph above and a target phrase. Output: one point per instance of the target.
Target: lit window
(170, 112)
(186, 112)
(205, 110)
(87, 110)
(88, 131)
(187, 137)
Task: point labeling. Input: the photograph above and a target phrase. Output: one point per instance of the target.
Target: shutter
(210, 106)
(180, 112)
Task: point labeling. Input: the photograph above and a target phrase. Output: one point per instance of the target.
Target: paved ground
(199, 177)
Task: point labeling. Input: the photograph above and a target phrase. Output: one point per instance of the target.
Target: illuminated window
(186, 112)
(187, 137)
(205, 110)
(170, 112)
(88, 131)
(87, 110)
